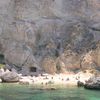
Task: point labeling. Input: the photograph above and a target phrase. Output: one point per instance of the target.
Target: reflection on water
(18, 92)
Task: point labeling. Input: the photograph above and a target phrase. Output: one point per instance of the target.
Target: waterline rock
(93, 83)
(10, 77)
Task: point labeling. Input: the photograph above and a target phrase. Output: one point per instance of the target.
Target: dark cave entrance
(2, 59)
(33, 69)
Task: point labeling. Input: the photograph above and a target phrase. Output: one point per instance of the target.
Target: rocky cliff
(50, 35)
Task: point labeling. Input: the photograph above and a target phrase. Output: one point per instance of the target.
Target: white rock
(0, 80)
(25, 81)
(2, 70)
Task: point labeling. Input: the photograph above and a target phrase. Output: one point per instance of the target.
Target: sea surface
(23, 92)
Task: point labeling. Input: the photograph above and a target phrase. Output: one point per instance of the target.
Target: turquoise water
(18, 92)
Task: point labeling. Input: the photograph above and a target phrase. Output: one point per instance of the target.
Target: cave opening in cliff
(2, 59)
(33, 69)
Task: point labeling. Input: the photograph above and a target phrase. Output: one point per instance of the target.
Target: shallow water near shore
(23, 92)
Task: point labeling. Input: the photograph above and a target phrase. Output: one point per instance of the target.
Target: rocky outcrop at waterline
(8, 76)
(64, 31)
(93, 83)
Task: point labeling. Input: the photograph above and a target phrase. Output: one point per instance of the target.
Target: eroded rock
(49, 65)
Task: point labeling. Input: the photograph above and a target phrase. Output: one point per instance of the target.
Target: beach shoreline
(56, 80)
(47, 80)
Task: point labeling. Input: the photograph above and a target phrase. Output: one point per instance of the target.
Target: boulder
(10, 77)
(93, 84)
(0, 80)
(1, 71)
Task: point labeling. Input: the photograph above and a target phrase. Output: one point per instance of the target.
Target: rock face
(49, 65)
(33, 30)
